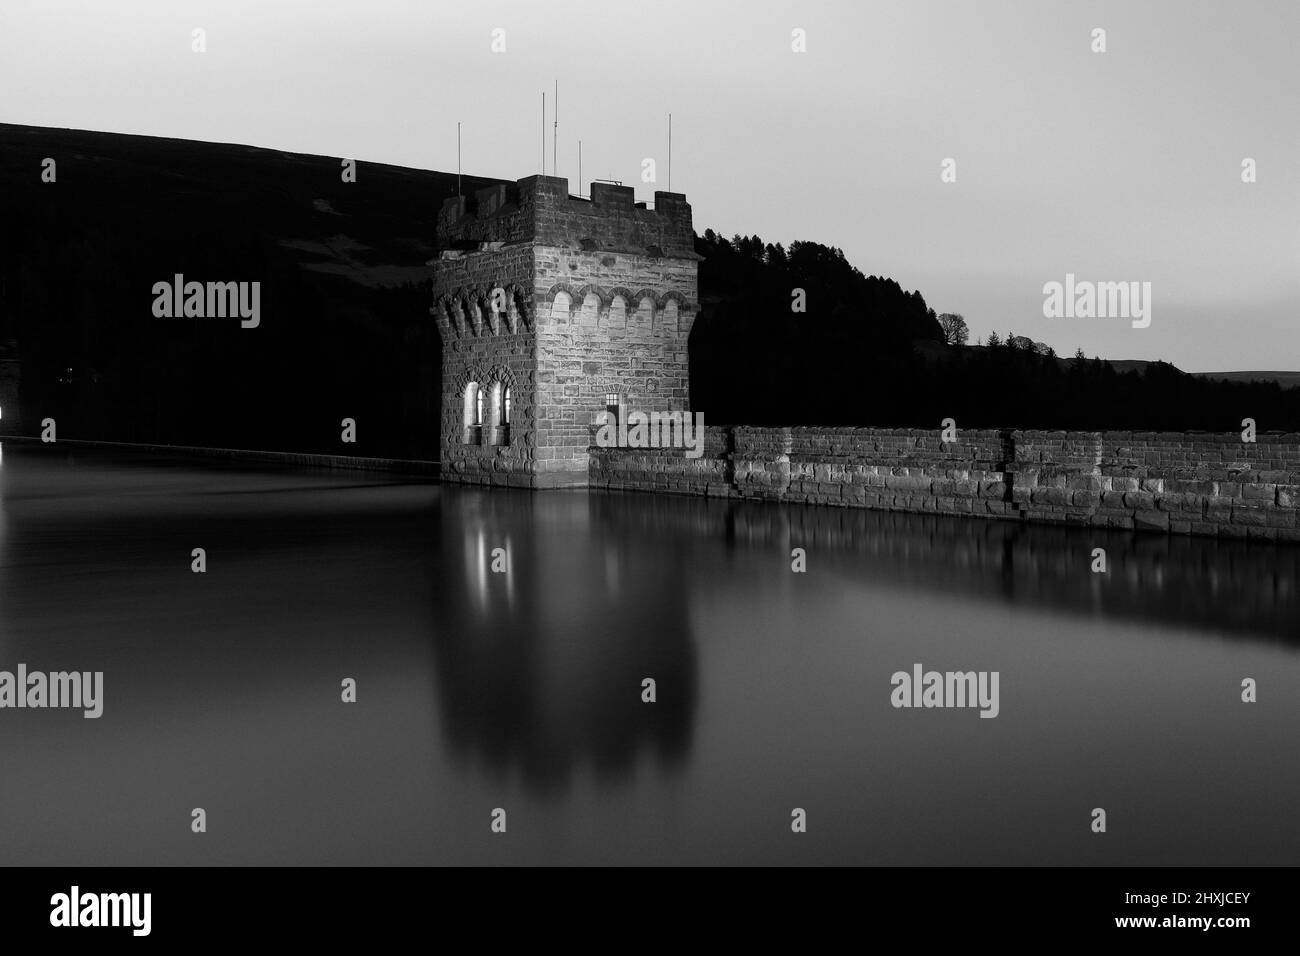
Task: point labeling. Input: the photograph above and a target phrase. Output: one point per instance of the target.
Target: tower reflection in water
(551, 612)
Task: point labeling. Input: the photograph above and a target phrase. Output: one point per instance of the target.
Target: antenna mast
(555, 131)
(670, 152)
(543, 132)
(459, 191)
(579, 169)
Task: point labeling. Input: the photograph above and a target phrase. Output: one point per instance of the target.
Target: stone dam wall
(1174, 482)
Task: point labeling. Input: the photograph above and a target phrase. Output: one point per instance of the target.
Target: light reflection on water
(522, 689)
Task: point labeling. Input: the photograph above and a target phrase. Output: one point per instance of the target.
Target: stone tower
(553, 308)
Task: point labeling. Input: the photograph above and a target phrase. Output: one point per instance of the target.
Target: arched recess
(477, 306)
(497, 309)
(588, 313)
(669, 314)
(590, 289)
(516, 309)
(561, 308)
(558, 303)
(672, 295)
(620, 300)
(645, 307)
(451, 307)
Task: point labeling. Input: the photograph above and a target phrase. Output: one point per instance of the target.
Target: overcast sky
(1123, 165)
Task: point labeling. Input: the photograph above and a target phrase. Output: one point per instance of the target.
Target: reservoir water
(521, 689)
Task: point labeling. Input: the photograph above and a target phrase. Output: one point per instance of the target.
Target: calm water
(522, 690)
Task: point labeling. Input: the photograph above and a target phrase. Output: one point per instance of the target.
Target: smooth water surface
(522, 690)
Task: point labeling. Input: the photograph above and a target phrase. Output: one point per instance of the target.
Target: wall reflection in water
(1190, 583)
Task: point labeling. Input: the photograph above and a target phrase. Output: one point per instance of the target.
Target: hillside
(345, 328)
(801, 335)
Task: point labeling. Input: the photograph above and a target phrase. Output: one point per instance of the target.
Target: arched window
(471, 402)
(473, 414)
(501, 413)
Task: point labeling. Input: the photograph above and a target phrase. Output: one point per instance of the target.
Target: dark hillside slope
(344, 330)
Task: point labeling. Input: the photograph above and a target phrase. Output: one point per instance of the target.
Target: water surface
(522, 690)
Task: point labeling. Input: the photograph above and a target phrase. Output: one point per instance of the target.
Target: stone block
(1151, 520)
(1259, 492)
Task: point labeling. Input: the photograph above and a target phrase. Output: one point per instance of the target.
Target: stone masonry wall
(899, 469)
(1182, 483)
(615, 334)
(667, 469)
(610, 220)
(479, 345)
(1193, 482)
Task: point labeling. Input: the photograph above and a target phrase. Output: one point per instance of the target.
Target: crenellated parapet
(539, 210)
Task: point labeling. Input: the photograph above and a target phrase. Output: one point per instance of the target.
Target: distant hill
(1026, 387)
(934, 350)
(1132, 365)
(1285, 379)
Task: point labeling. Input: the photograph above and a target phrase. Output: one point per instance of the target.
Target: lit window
(505, 407)
(473, 415)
